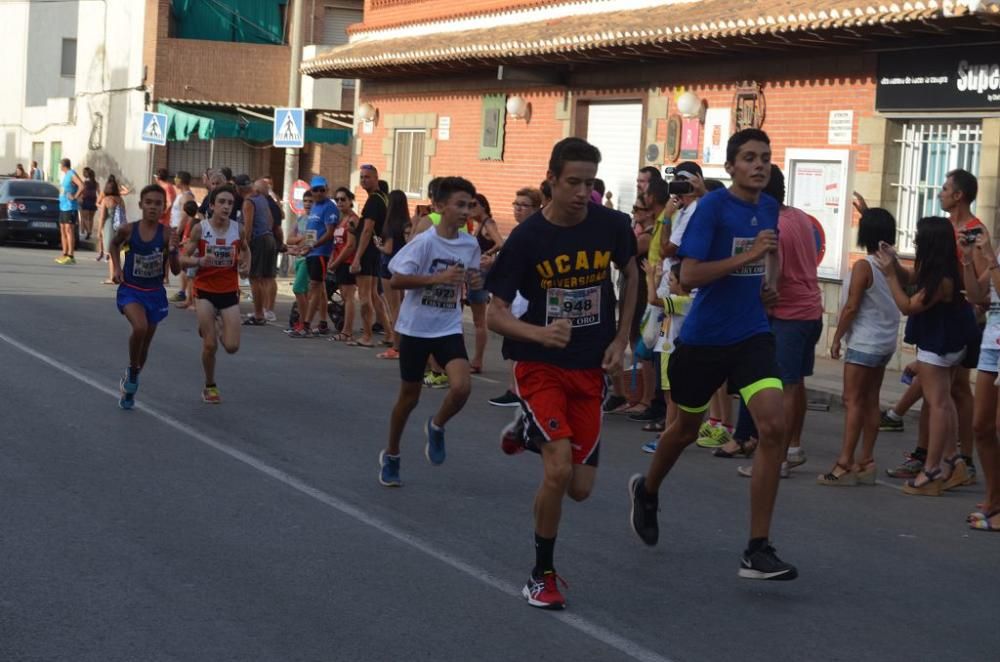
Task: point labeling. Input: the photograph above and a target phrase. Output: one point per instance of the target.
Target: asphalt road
(256, 530)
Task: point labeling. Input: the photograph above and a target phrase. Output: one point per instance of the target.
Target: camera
(969, 236)
(680, 187)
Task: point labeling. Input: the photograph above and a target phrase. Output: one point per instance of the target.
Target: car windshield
(31, 189)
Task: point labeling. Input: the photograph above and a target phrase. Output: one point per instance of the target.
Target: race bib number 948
(581, 307)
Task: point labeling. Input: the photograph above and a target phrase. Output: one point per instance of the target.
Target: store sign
(955, 78)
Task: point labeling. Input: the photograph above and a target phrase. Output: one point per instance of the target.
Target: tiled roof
(658, 30)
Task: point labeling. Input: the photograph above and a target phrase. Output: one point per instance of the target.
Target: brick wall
(221, 71)
(797, 116)
(526, 151)
(380, 13)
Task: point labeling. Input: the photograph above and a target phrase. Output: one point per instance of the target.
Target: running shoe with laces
(650, 446)
(178, 296)
(512, 436)
(388, 473)
(128, 389)
(543, 592)
(508, 399)
(716, 437)
(210, 395)
(765, 564)
(434, 449)
(270, 316)
(70, 260)
(910, 467)
(795, 459)
(644, 416)
(888, 424)
(642, 518)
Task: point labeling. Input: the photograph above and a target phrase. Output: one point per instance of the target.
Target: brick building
(225, 66)
(855, 95)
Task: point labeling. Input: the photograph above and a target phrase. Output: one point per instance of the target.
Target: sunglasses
(340, 199)
(319, 189)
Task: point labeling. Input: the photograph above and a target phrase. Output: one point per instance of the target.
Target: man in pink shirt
(797, 318)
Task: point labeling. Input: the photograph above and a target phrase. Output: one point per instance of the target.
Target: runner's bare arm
(453, 275)
(500, 319)
(698, 273)
(363, 241)
(173, 256)
(188, 259)
(248, 214)
(615, 352)
(243, 268)
(117, 242)
(346, 253)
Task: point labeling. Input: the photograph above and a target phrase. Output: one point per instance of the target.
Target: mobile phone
(423, 210)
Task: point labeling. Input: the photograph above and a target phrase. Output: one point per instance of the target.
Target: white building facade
(73, 87)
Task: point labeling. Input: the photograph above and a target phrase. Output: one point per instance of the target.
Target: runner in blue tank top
(142, 298)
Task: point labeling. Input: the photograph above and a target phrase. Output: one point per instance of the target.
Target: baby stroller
(334, 305)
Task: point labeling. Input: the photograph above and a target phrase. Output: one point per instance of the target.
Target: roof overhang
(675, 29)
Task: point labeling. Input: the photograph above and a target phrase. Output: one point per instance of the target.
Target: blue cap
(318, 182)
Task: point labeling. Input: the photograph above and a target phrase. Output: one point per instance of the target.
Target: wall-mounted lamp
(689, 105)
(367, 112)
(519, 108)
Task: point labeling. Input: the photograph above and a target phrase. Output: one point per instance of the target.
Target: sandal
(388, 354)
(654, 426)
(982, 522)
(746, 449)
(932, 486)
(250, 320)
(358, 343)
(342, 337)
(958, 475)
(846, 479)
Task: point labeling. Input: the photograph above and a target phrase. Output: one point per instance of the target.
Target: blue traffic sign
(289, 127)
(154, 128)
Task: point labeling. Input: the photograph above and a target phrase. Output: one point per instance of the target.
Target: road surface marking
(584, 625)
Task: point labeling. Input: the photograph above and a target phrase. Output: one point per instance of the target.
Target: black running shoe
(508, 399)
(644, 416)
(644, 508)
(765, 564)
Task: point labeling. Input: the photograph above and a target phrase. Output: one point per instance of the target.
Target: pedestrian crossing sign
(154, 128)
(289, 127)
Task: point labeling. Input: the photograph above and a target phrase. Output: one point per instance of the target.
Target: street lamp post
(294, 91)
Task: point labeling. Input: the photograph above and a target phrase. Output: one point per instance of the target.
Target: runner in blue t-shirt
(729, 247)
(322, 221)
(150, 249)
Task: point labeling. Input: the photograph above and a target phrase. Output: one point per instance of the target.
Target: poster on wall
(818, 184)
(690, 131)
(717, 132)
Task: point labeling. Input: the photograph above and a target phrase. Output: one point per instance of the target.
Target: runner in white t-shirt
(431, 268)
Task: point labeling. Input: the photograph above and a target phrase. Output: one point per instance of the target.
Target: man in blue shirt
(322, 221)
(729, 253)
(69, 187)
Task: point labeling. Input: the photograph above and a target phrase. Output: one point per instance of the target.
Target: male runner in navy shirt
(729, 245)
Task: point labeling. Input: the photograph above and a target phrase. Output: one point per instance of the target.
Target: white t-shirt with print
(433, 311)
(679, 226)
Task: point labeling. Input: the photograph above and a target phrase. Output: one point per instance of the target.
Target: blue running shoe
(128, 389)
(434, 450)
(388, 474)
(650, 446)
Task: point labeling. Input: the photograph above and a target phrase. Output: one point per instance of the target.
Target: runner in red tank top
(217, 249)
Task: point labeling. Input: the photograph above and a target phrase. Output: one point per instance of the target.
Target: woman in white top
(869, 325)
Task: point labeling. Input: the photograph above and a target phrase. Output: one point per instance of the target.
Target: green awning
(207, 124)
(247, 21)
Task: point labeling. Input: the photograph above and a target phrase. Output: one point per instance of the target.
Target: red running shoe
(543, 592)
(512, 436)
